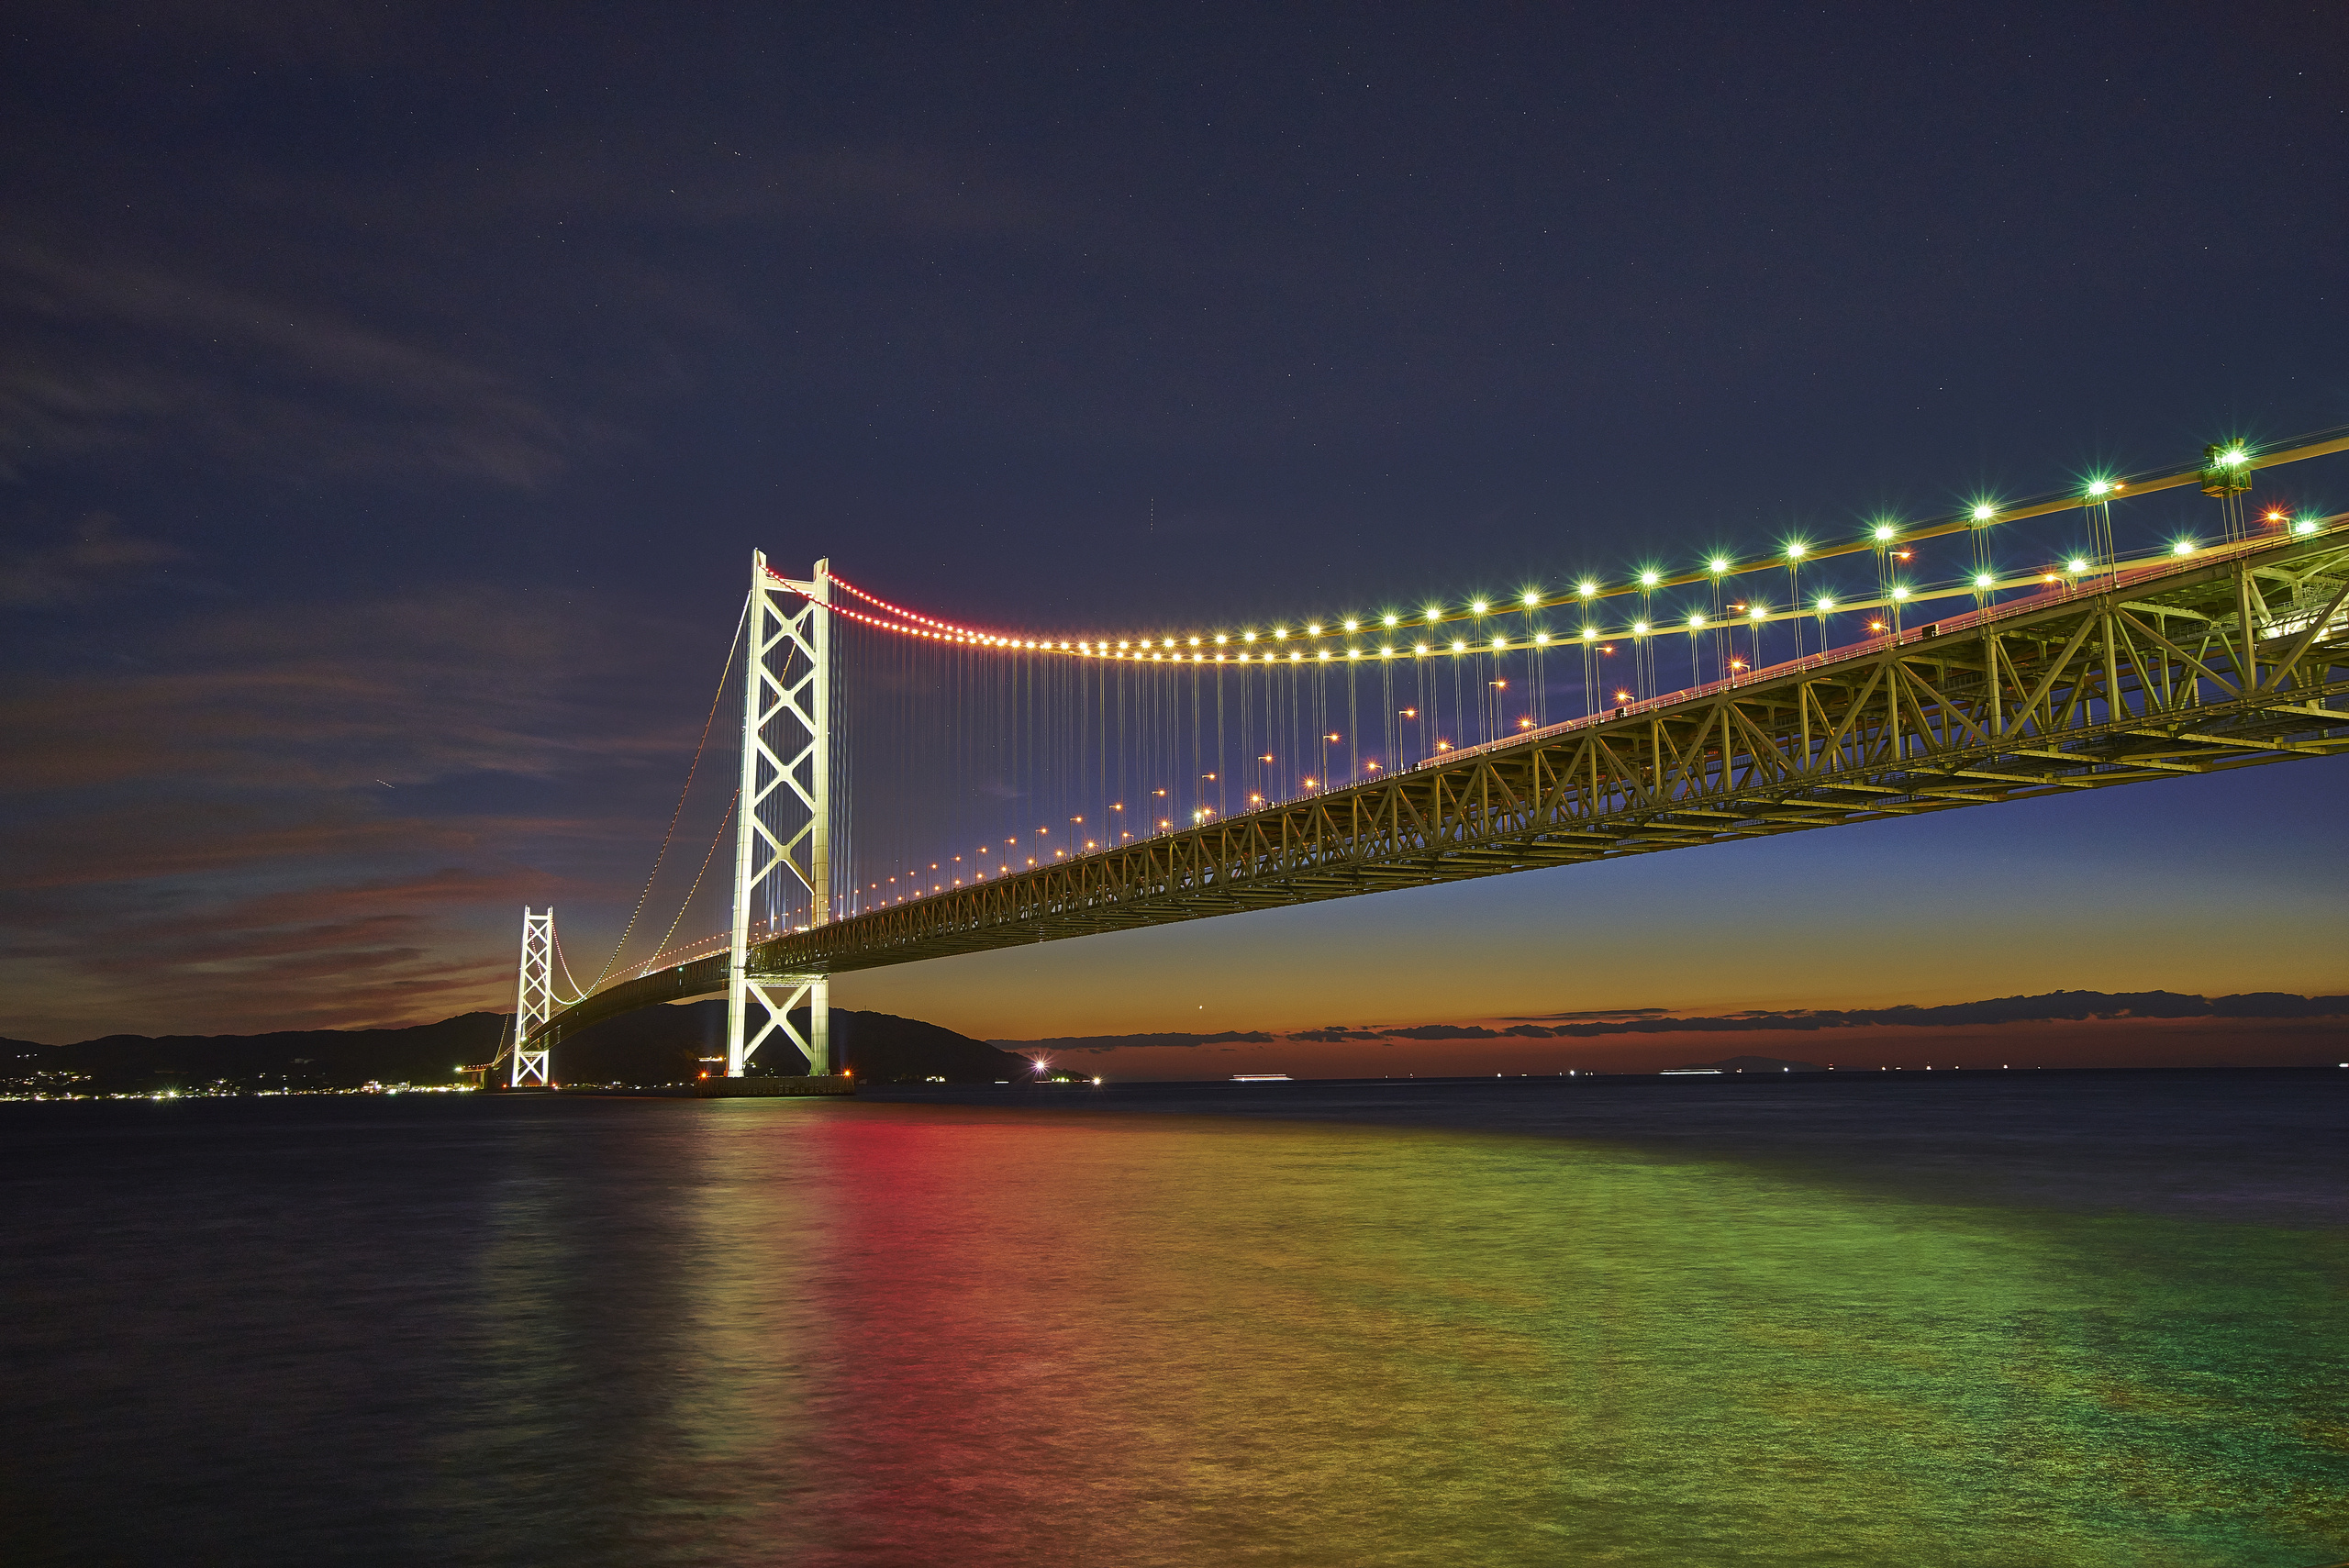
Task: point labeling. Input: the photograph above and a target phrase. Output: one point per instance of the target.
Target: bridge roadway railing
(2230, 659)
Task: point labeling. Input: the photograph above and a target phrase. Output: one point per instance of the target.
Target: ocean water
(1976, 1319)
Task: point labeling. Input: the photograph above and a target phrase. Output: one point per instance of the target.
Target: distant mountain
(298, 1059)
(673, 1044)
(2056, 1007)
(657, 1045)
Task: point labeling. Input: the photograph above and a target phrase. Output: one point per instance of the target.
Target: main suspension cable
(715, 839)
(726, 674)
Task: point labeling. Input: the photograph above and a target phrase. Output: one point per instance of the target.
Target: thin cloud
(97, 555)
(113, 356)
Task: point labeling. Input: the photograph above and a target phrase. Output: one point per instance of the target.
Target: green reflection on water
(1151, 1341)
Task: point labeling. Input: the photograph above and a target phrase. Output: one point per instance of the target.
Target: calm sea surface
(1969, 1319)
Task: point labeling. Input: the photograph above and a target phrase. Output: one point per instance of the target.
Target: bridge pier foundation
(780, 996)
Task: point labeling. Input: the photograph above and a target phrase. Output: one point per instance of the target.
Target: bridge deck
(2231, 659)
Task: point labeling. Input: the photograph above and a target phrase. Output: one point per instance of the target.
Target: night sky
(391, 398)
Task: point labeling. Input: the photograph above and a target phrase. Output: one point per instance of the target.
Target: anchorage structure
(787, 780)
(533, 1000)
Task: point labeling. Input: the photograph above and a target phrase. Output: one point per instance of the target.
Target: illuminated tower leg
(786, 779)
(533, 1000)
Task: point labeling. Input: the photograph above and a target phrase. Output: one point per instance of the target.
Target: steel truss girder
(2068, 692)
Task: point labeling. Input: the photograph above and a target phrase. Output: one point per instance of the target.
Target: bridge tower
(783, 814)
(533, 1000)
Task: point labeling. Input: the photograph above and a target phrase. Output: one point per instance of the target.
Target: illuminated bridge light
(1983, 579)
(1586, 590)
(1984, 512)
(1649, 579)
(2183, 547)
(1794, 549)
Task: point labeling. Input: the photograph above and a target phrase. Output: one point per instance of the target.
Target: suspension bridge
(910, 786)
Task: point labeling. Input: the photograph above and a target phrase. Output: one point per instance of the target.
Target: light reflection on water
(649, 1332)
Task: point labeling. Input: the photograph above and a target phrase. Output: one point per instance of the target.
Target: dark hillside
(297, 1058)
(666, 1045)
(658, 1045)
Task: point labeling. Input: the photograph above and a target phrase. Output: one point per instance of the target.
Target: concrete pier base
(746, 1088)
